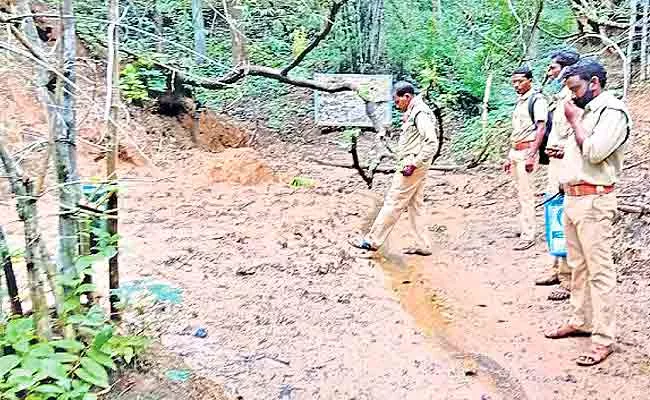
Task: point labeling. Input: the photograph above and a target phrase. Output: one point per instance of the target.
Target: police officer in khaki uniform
(417, 145)
(528, 130)
(559, 272)
(593, 162)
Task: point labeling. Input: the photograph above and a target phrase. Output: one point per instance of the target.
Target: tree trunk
(644, 41)
(437, 9)
(65, 145)
(232, 10)
(23, 189)
(199, 30)
(158, 23)
(10, 277)
(112, 159)
(630, 47)
(42, 76)
(364, 21)
(486, 101)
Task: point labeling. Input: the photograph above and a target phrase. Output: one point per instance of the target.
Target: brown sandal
(595, 356)
(566, 331)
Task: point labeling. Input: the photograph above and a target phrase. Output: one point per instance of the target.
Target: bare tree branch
(355, 163)
(329, 23)
(529, 43)
(520, 24)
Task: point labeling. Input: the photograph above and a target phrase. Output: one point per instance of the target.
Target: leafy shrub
(139, 80)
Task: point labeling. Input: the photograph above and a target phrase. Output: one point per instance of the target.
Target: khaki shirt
(600, 162)
(418, 142)
(561, 129)
(523, 128)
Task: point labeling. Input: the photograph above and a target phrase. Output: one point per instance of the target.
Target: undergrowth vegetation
(450, 51)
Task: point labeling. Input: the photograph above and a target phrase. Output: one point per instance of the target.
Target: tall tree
(199, 30)
(23, 188)
(233, 12)
(66, 142)
(364, 25)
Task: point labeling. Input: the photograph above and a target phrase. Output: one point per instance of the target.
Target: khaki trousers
(589, 233)
(405, 192)
(525, 193)
(560, 265)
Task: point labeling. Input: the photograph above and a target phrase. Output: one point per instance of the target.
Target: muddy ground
(290, 308)
(293, 313)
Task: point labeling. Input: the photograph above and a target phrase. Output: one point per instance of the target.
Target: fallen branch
(443, 168)
(636, 164)
(355, 163)
(634, 208)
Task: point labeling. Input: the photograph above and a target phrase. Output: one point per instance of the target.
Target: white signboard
(347, 108)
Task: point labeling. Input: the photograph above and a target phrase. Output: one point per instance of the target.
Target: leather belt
(587, 189)
(523, 145)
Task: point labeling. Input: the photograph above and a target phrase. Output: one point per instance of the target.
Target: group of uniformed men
(586, 129)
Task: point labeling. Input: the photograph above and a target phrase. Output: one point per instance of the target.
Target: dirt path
(289, 309)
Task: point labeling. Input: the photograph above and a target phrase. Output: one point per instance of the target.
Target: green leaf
(67, 344)
(101, 358)
(85, 288)
(7, 363)
(86, 376)
(20, 379)
(94, 368)
(109, 252)
(65, 358)
(49, 389)
(128, 354)
(90, 396)
(54, 369)
(84, 262)
(80, 386)
(65, 383)
(41, 350)
(32, 363)
(102, 337)
(71, 304)
(22, 346)
(19, 329)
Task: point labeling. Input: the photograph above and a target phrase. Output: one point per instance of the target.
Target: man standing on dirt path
(528, 127)
(593, 164)
(559, 273)
(418, 143)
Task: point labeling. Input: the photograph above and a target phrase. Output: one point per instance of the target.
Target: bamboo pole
(112, 156)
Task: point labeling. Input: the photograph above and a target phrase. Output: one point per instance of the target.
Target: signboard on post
(347, 108)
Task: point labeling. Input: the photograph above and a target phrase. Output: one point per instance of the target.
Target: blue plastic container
(554, 222)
